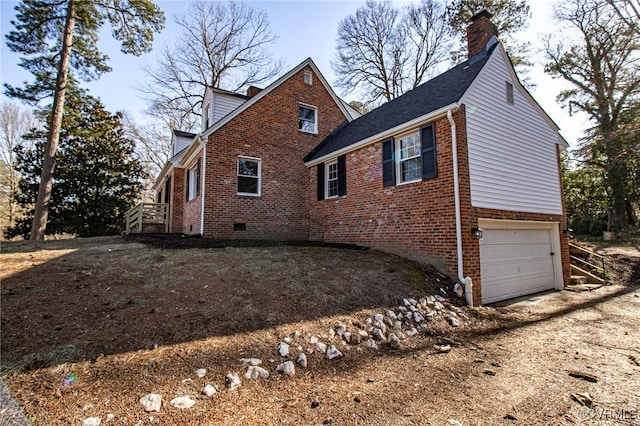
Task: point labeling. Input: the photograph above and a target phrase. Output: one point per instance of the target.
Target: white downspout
(468, 284)
(203, 170)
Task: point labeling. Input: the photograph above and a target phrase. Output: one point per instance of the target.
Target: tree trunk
(41, 213)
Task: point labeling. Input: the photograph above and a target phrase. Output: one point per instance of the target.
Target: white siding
(180, 143)
(512, 148)
(224, 104)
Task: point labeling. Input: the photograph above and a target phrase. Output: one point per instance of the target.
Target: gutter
(203, 170)
(466, 281)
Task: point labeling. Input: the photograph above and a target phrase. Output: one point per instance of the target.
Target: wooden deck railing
(147, 217)
(589, 260)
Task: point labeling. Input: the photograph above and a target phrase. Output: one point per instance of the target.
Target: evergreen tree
(58, 39)
(97, 176)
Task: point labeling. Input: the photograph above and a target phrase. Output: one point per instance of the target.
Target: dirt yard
(90, 326)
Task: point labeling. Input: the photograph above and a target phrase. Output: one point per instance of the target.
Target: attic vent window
(308, 78)
(509, 93)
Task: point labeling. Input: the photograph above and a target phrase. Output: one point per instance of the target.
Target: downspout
(202, 183)
(466, 281)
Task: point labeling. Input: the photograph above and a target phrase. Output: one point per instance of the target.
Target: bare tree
(628, 11)
(14, 123)
(152, 141)
(222, 45)
(384, 52)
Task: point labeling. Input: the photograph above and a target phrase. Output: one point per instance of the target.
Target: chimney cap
(484, 13)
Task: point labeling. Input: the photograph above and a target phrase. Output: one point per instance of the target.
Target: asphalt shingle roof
(443, 90)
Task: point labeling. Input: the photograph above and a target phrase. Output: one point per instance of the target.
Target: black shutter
(321, 181)
(428, 141)
(198, 178)
(342, 175)
(186, 189)
(388, 164)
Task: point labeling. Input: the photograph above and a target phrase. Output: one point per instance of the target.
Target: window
(509, 93)
(307, 119)
(249, 170)
(193, 181)
(411, 158)
(308, 78)
(332, 178)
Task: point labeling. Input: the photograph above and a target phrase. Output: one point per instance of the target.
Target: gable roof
(239, 110)
(437, 93)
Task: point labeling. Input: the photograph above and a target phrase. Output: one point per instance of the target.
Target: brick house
(462, 172)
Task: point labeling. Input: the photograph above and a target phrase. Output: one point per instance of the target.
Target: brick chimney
(253, 90)
(480, 32)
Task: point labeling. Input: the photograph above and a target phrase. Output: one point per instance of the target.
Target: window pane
(307, 126)
(333, 188)
(409, 147)
(248, 185)
(247, 167)
(307, 114)
(411, 169)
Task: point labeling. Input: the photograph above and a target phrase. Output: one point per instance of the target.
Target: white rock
(341, 329)
(232, 380)
(412, 332)
(368, 321)
(394, 341)
(209, 390)
(422, 301)
(182, 402)
(401, 316)
(201, 372)
(413, 302)
(431, 300)
(443, 349)
(417, 317)
(300, 348)
(378, 317)
(372, 344)
(302, 360)
(297, 334)
(392, 315)
(255, 372)
(287, 368)
(251, 361)
(321, 347)
(379, 334)
(458, 290)
(110, 416)
(363, 333)
(332, 333)
(346, 336)
(453, 314)
(406, 302)
(92, 421)
(333, 352)
(438, 306)
(453, 322)
(313, 340)
(287, 340)
(381, 325)
(151, 402)
(402, 308)
(283, 349)
(439, 298)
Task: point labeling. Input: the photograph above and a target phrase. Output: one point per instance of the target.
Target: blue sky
(304, 29)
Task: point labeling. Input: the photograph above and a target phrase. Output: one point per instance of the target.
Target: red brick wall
(192, 208)
(177, 200)
(415, 220)
(267, 130)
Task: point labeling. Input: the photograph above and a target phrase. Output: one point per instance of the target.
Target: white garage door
(515, 262)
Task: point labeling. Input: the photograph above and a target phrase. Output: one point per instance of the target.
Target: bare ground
(129, 319)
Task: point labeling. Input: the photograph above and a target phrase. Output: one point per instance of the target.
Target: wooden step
(586, 275)
(578, 279)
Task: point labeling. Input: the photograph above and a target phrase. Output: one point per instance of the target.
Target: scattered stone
(412, 308)
(394, 341)
(402, 308)
(333, 352)
(315, 403)
(251, 361)
(489, 372)
(355, 338)
(332, 333)
(321, 347)
(378, 334)
(313, 340)
(363, 333)
(458, 290)
(182, 402)
(300, 348)
(110, 416)
(438, 306)
(510, 417)
(584, 376)
(453, 314)
(283, 349)
(346, 336)
(443, 349)
(454, 422)
(478, 361)
(368, 321)
(417, 317)
(370, 380)
(232, 381)
(302, 360)
(392, 315)
(287, 368)
(453, 322)
(287, 340)
(209, 390)
(92, 421)
(151, 402)
(412, 332)
(341, 329)
(372, 344)
(381, 325)
(495, 364)
(440, 298)
(583, 398)
(255, 372)
(201, 372)
(431, 300)
(413, 302)
(405, 302)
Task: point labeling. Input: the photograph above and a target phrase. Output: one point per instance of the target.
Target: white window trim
(193, 182)
(259, 161)
(326, 179)
(315, 124)
(398, 162)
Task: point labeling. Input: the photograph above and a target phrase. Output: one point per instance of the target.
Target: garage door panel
(515, 262)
